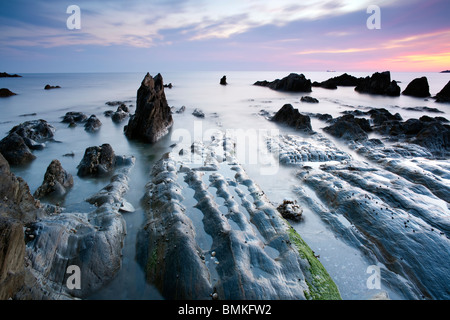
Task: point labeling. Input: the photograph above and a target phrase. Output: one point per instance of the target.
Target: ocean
(237, 108)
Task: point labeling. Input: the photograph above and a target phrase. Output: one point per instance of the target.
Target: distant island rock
(418, 88)
(4, 93)
(153, 118)
(48, 87)
(7, 75)
(293, 82)
(445, 71)
(344, 80)
(379, 83)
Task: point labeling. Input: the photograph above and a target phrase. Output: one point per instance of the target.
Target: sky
(231, 35)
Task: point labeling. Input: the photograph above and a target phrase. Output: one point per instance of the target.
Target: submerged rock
(293, 118)
(379, 83)
(74, 117)
(97, 161)
(56, 182)
(92, 124)
(293, 82)
(418, 88)
(4, 93)
(153, 118)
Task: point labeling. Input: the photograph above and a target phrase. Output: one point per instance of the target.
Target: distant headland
(6, 75)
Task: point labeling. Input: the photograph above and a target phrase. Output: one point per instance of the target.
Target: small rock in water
(198, 113)
(126, 207)
(290, 210)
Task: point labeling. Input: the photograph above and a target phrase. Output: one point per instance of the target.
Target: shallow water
(230, 108)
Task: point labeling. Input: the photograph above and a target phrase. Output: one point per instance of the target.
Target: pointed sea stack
(153, 118)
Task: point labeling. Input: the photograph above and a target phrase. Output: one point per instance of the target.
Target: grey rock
(56, 182)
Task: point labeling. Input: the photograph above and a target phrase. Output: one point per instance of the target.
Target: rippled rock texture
(394, 206)
(212, 233)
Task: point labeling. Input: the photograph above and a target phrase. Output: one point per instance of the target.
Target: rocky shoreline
(210, 231)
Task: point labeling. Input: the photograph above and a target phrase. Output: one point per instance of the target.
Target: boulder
(309, 99)
(48, 87)
(97, 161)
(92, 124)
(444, 94)
(4, 93)
(198, 113)
(418, 88)
(348, 127)
(74, 117)
(15, 150)
(152, 119)
(290, 210)
(380, 115)
(293, 82)
(56, 182)
(379, 83)
(293, 118)
(119, 115)
(168, 86)
(223, 81)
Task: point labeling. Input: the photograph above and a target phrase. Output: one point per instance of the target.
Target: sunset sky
(176, 35)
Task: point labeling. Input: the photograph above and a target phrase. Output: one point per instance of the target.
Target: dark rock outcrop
(152, 119)
(344, 80)
(309, 99)
(15, 150)
(92, 124)
(418, 88)
(379, 83)
(121, 113)
(293, 82)
(7, 75)
(4, 93)
(27, 136)
(56, 182)
(198, 113)
(97, 161)
(290, 210)
(293, 118)
(349, 127)
(48, 87)
(444, 94)
(223, 81)
(73, 117)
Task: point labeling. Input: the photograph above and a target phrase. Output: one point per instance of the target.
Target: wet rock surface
(21, 139)
(152, 119)
(92, 124)
(97, 161)
(293, 118)
(57, 182)
(227, 231)
(293, 82)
